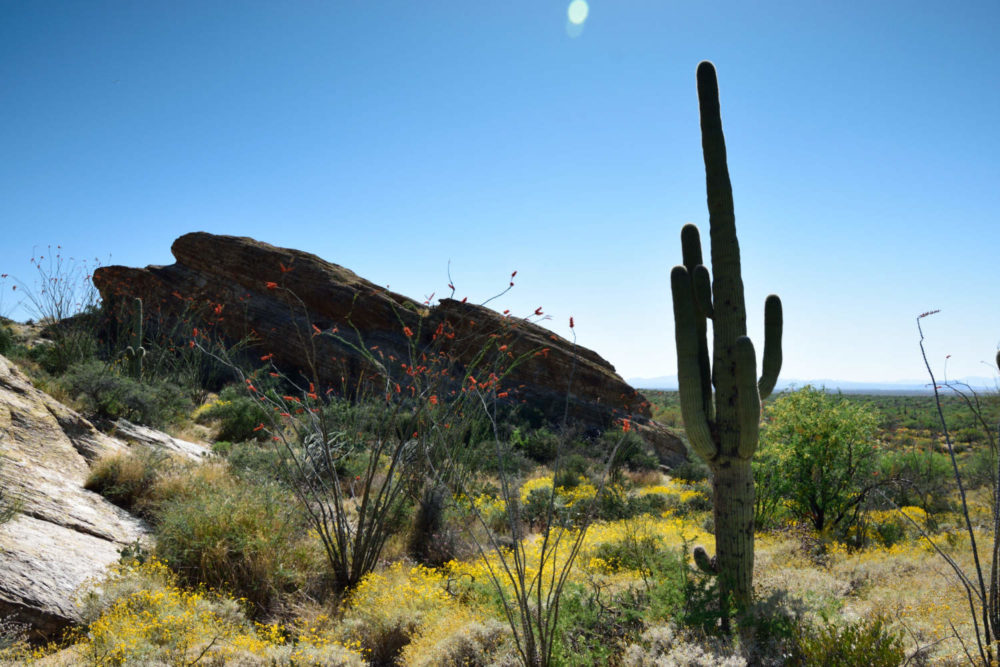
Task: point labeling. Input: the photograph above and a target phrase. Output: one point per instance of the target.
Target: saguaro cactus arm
(771, 363)
(701, 292)
(689, 368)
(748, 409)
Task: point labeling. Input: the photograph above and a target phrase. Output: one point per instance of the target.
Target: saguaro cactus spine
(724, 434)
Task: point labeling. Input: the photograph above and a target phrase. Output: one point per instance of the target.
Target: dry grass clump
(127, 478)
(248, 539)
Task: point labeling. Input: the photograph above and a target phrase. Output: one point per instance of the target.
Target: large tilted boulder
(64, 534)
(274, 296)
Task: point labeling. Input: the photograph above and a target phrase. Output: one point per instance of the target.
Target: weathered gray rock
(144, 436)
(64, 534)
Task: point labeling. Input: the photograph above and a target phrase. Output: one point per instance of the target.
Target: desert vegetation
(418, 513)
(241, 572)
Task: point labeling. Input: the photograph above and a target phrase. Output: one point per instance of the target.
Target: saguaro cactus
(726, 434)
(135, 352)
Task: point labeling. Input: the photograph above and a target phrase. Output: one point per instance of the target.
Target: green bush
(868, 641)
(979, 468)
(694, 469)
(246, 539)
(632, 453)
(593, 631)
(671, 588)
(571, 469)
(252, 460)
(238, 416)
(72, 346)
(6, 340)
(540, 445)
(102, 393)
(818, 453)
(921, 478)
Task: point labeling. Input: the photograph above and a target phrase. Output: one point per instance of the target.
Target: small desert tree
(819, 452)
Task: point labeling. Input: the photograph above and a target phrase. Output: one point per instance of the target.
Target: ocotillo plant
(726, 434)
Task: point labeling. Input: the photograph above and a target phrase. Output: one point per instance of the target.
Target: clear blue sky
(392, 137)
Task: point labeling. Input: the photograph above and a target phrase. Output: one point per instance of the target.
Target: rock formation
(243, 288)
(64, 534)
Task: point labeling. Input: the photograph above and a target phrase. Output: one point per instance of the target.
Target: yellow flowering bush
(677, 496)
(568, 495)
(138, 614)
(888, 527)
(387, 609)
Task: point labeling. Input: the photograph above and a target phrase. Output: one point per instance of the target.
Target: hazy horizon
(392, 139)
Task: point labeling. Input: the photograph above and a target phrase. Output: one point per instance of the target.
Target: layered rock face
(64, 534)
(276, 296)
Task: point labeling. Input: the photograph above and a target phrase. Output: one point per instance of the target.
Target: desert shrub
(818, 452)
(669, 646)
(888, 527)
(770, 629)
(387, 609)
(138, 613)
(541, 504)
(434, 537)
(670, 587)
(252, 460)
(72, 342)
(593, 630)
(633, 452)
(540, 445)
(571, 470)
(243, 538)
(978, 469)
(680, 497)
(458, 641)
(6, 340)
(102, 393)
(868, 641)
(693, 469)
(126, 478)
(239, 416)
(919, 477)
(13, 637)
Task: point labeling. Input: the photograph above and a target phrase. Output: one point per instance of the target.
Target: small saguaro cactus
(724, 434)
(135, 352)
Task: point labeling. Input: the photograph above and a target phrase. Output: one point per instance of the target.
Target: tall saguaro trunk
(723, 431)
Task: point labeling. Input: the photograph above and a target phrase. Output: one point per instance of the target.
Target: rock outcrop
(64, 535)
(243, 288)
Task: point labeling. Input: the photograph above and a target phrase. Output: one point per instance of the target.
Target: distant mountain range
(900, 387)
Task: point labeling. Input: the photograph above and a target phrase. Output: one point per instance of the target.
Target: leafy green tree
(818, 454)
